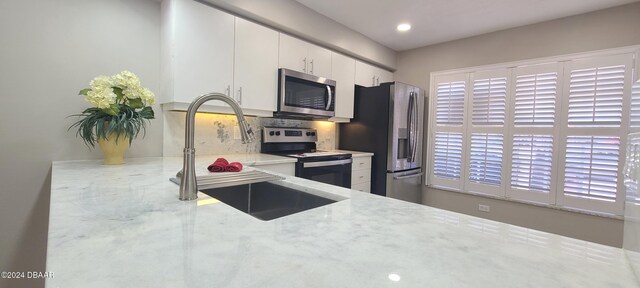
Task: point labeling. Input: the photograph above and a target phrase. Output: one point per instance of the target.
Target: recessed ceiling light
(404, 27)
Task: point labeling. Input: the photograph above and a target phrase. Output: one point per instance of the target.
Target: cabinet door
(343, 72)
(365, 74)
(384, 76)
(203, 56)
(320, 61)
(293, 53)
(256, 66)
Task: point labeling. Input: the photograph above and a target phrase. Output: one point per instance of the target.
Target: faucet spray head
(246, 133)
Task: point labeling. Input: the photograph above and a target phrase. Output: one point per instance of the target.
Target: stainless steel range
(322, 166)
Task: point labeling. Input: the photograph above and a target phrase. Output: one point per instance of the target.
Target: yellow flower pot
(113, 150)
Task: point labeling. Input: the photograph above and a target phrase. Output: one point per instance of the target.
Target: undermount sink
(267, 201)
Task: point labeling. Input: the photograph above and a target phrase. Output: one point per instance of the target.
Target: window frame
(555, 197)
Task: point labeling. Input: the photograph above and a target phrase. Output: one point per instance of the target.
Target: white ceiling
(437, 21)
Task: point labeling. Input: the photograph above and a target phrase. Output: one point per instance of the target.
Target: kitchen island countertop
(123, 226)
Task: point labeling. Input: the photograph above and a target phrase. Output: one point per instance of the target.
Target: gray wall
(298, 20)
(608, 28)
(614, 27)
(50, 50)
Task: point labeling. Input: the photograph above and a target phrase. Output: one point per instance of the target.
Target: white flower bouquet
(120, 108)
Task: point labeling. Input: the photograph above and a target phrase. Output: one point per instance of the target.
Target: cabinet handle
(304, 68)
(240, 96)
(377, 81)
(228, 91)
(311, 66)
(373, 80)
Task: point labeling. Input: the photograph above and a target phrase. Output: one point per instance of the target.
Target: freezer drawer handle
(407, 177)
(327, 163)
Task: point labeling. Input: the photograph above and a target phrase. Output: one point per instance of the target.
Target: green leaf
(147, 113)
(136, 103)
(113, 110)
(84, 91)
(118, 92)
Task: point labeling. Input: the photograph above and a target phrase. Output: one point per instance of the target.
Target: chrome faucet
(188, 184)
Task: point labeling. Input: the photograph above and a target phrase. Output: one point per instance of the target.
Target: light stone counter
(355, 154)
(123, 226)
(251, 159)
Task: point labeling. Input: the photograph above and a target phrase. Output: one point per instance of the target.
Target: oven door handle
(326, 163)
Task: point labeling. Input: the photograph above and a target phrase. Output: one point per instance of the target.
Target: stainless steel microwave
(304, 95)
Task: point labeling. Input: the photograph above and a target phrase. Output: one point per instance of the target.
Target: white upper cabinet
(369, 75)
(205, 50)
(197, 51)
(320, 64)
(343, 72)
(383, 75)
(256, 66)
(304, 57)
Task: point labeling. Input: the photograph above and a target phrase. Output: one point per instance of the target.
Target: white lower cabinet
(288, 169)
(361, 174)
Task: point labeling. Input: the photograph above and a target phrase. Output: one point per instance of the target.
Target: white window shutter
(535, 99)
(531, 163)
(485, 132)
(533, 133)
(635, 107)
(448, 155)
(446, 141)
(485, 159)
(450, 103)
(595, 96)
(489, 101)
(597, 108)
(591, 169)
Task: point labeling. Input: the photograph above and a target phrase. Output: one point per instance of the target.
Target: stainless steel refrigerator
(388, 121)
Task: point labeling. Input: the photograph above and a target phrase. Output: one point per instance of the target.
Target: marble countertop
(355, 154)
(123, 226)
(253, 159)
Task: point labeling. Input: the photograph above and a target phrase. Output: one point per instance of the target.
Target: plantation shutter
(532, 163)
(447, 138)
(534, 132)
(450, 103)
(485, 132)
(448, 155)
(592, 167)
(635, 107)
(595, 130)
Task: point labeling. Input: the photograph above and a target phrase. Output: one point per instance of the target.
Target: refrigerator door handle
(410, 128)
(407, 177)
(415, 127)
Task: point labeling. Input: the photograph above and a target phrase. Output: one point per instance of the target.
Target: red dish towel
(219, 165)
(234, 167)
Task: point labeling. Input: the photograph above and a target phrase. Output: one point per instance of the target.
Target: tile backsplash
(214, 133)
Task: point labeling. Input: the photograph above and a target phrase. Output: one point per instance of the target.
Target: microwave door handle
(330, 98)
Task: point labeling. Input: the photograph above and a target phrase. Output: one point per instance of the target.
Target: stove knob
(313, 133)
(277, 133)
(308, 133)
(271, 133)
